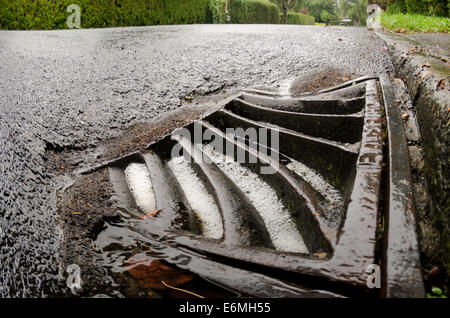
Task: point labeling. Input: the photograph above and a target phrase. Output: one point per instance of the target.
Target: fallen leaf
(77, 213)
(151, 274)
(434, 271)
(339, 39)
(320, 255)
(405, 116)
(346, 78)
(427, 64)
(317, 214)
(149, 215)
(441, 84)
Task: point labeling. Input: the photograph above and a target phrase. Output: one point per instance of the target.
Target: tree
(355, 10)
(323, 10)
(286, 5)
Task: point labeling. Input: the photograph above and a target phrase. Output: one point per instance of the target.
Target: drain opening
(305, 218)
(276, 217)
(140, 185)
(200, 201)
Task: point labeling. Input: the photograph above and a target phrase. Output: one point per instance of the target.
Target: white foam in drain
(316, 181)
(140, 184)
(282, 230)
(201, 202)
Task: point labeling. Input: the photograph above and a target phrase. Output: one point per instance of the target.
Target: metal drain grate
(312, 218)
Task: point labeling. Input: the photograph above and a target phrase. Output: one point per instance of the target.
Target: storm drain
(286, 187)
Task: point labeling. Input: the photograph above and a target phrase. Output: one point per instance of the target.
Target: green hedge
(51, 14)
(218, 10)
(299, 18)
(253, 11)
(426, 7)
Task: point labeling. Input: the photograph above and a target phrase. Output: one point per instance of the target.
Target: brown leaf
(346, 78)
(427, 64)
(320, 255)
(405, 116)
(149, 215)
(434, 271)
(339, 39)
(151, 274)
(441, 84)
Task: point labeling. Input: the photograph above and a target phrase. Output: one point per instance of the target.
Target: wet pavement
(72, 89)
(438, 43)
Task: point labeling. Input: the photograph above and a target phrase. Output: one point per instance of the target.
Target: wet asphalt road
(74, 88)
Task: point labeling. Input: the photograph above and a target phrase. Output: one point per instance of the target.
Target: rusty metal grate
(328, 180)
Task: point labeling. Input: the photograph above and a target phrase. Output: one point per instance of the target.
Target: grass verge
(415, 23)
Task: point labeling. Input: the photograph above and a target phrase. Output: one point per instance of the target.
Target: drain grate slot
(342, 106)
(341, 128)
(332, 160)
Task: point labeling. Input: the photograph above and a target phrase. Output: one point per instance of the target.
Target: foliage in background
(253, 11)
(294, 7)
(425, 7)
(299, 18)
(355, 10)
(395, 7)
(218, 10)
(415, 23)
(322, 10)
(51, 14)
(286, 5)
(428, 7)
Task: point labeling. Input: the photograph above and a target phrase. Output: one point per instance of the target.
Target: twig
(183, 290)
(150, 214)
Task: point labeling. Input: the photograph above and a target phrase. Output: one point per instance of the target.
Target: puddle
(142, 267)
